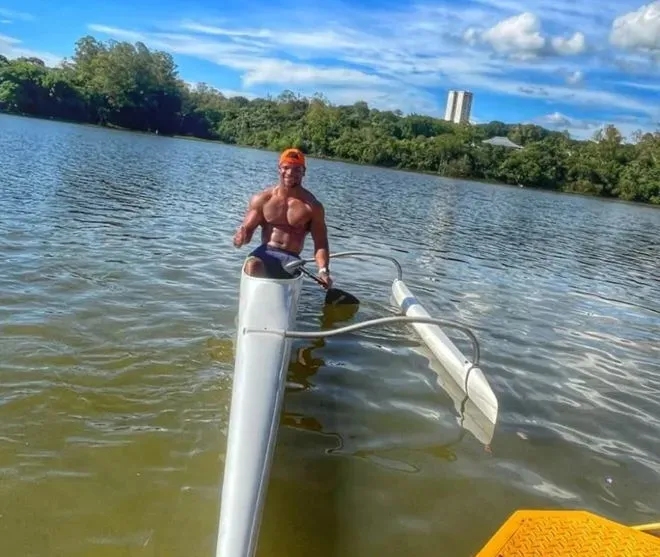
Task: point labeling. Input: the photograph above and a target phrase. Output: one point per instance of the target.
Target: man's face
(291, 175)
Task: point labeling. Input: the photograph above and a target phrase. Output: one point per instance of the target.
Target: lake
(118, 299)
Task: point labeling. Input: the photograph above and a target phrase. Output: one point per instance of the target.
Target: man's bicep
(254, 213)
(319, 228)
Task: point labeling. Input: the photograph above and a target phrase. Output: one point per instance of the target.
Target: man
(286, 213)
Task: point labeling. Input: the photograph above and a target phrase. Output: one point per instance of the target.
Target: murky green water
(118, 287)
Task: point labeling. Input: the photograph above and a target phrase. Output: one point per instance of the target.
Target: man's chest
(290, 211)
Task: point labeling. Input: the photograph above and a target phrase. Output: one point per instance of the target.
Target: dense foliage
(129, 86)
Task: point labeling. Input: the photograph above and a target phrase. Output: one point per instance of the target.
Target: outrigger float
(266, 318)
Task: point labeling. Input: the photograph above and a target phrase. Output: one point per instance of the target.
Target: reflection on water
(117, 319)
(304, 364)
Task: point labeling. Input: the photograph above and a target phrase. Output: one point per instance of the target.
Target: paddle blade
(336, 297)
(336, 314)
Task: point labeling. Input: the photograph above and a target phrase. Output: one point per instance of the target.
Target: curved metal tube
(374, 323)
(399, 271)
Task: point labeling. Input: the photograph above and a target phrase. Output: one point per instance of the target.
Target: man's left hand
(326, 278)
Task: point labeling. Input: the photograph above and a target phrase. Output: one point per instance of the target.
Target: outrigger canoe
(266, 318)
(260, 367)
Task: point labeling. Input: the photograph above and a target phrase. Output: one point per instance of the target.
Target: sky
(563, 64)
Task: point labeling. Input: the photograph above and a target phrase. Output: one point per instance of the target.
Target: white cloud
(636, 64)
(406, 99)
(213, 30)
(322, 40)
(521, 37)
(643, 86)
(8, 40)
(472, 36)
(561, 13)
(586, 128)
(575, 78)
(192, 85)
(576, 44)
(13, 15)
(575, 126)
(406, 57)
(11, 48)
(556, 120)
(253, 59)
(236, 93)
(638, 30)
(116, 32)
(286, 73)
(587, 98)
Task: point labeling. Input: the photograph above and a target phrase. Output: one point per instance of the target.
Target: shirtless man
(286, 213)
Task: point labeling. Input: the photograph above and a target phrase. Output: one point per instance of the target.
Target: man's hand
(253, 218)
(240, 237)
(326, 278)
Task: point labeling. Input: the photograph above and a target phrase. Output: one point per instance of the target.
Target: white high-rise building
(459, 106)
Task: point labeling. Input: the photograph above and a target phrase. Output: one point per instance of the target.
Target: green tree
(129, 85)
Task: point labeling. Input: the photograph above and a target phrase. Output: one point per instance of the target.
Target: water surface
(117, 315)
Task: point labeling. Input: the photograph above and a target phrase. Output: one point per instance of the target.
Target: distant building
(459, 106)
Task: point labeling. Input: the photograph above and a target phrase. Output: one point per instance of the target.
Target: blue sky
(564, 64)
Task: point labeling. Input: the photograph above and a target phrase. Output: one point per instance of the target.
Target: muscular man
(286, 213)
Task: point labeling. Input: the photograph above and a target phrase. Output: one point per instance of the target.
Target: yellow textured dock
(568, 534)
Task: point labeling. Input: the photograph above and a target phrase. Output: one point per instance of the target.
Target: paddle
(333, 296)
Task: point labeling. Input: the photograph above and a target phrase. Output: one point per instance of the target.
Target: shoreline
(113, 127)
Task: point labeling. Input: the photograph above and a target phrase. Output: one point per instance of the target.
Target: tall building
(459, 106)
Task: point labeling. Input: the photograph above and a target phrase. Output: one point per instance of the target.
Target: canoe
(266, 318)
(467, 375)
(260, 368)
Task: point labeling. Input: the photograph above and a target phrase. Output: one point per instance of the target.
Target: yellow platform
(568, 534)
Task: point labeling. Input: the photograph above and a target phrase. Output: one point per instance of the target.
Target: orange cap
(294, 157)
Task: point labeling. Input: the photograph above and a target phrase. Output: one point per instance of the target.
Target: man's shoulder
(310, 198)
(261, 197)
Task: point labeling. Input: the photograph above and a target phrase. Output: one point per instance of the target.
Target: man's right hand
(253, 218)
(239, 237)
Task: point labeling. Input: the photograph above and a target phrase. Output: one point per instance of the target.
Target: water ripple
(117, 318)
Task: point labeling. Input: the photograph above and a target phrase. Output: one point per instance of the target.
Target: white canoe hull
(471, 379)
(260, 369)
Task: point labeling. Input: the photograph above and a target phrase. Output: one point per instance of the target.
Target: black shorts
(274, 260)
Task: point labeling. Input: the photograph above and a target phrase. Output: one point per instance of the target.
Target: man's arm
(319, 232)
(253, 218)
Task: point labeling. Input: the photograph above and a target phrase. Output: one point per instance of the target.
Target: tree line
(129, 86)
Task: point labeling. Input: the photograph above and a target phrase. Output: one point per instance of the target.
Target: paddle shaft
(333, 296)
(313, 276)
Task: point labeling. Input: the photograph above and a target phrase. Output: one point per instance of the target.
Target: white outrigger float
(266, 317)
